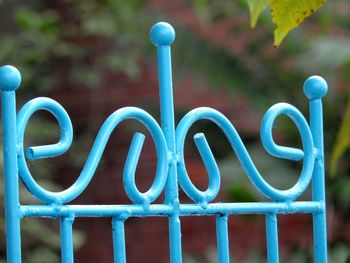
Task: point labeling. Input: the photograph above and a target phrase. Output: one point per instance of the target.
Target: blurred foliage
(55, 43)
(342, 141)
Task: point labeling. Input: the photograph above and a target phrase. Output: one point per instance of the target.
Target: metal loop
(94, 156)
(266, 132)
(130, 168)
(201, 197)
(308, 153)
(64, 122)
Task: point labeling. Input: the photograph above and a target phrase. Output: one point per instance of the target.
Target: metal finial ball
(162, 34)
(315, 87)
(10, 78)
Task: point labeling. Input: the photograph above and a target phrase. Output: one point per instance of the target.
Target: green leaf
(255, 9)
(342, 142)
(288, 14)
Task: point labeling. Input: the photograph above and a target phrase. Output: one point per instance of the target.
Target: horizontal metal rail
(168, 210)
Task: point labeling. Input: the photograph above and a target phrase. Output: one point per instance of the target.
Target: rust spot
(311, 10)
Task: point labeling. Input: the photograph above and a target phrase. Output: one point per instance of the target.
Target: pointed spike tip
(162, 34)
(315, 87)
(10, 78)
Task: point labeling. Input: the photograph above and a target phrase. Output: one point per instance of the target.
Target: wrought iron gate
(171, 168)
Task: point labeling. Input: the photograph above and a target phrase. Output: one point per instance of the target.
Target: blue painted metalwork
(171, 169)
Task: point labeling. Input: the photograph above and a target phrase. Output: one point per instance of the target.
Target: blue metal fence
(171, 168)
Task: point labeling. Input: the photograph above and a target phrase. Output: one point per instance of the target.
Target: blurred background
(94, 57)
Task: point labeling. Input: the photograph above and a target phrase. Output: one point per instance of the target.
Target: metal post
(162, 36)
(272, 238)
(119, 239)
(222, 239)
(67, 251)
(315, 88)
(10, 79)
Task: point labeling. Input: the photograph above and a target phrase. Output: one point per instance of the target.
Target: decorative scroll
(46, 151)
(308, 153)
(236, 143)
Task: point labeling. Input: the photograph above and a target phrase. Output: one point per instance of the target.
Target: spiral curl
(66, 136)
(204, 197)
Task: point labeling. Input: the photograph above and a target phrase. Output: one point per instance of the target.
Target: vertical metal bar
(162, 36)
(10, 80)
(315, 88)
(119, 240)
(160, 32)
(272, 238)
(67, 248)
(222, 239)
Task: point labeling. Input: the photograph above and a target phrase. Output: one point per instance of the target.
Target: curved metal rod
(95, 154)
(203, 197)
